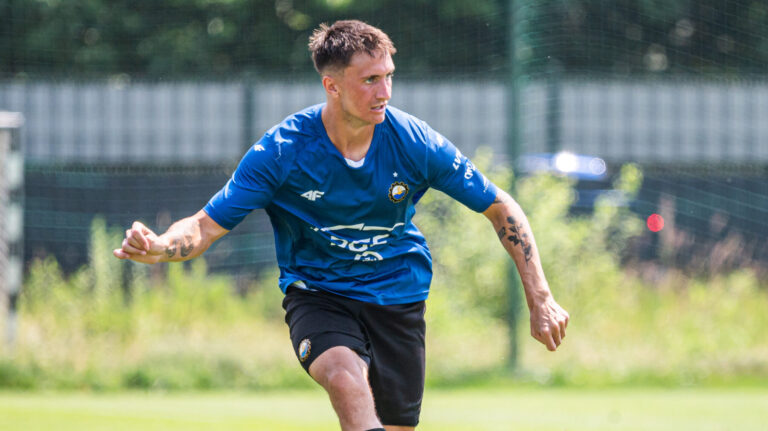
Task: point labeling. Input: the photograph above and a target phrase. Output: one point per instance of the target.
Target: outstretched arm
(548, 319)
(184, 240)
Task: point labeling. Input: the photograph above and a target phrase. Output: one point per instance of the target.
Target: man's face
(364, 88)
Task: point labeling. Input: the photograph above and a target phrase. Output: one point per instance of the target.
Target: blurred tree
(225, 38)
(641, 36)
(159, 39)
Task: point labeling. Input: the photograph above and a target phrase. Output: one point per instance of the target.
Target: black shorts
(390, 338)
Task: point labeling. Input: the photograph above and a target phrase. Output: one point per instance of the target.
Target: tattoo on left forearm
(517, 236)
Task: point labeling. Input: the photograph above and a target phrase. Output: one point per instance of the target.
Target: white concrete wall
(696, 122)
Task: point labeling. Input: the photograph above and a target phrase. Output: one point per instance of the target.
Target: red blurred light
(655, 222)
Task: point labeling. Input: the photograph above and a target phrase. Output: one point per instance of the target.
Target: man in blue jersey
(339, 182)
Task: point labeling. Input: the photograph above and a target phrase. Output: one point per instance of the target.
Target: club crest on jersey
(398, 191)
(304, 348)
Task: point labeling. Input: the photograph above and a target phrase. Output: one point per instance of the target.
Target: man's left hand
(548, 323)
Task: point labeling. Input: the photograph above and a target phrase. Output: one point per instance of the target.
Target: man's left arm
(548, 319)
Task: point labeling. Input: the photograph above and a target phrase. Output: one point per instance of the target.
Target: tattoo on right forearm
(170, 251)
(186, 246)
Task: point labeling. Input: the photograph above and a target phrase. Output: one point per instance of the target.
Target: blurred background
(633, 133)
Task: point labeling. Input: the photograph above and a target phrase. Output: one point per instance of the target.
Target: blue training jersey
(343, 229)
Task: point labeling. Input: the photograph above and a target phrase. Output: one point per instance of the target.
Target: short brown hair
(333, 46)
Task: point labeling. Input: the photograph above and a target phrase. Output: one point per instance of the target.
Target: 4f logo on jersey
(313, 195)
(397, 191)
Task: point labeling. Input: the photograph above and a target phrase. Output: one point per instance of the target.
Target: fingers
(138, 233)
(556, 336)
(136, 242)
(130, 247)
(549, 341)
(563, 323)
(548, 324)
(551, 334)
(547, 338)
(134, 239)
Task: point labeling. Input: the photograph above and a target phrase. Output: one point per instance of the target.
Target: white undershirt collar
(355, 164)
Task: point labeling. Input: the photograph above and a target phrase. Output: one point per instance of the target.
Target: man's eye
(370, 80)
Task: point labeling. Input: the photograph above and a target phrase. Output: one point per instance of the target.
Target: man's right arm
(259, 174)
(184, 240)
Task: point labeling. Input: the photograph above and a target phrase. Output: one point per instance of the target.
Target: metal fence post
(514, 149)
(11, 216)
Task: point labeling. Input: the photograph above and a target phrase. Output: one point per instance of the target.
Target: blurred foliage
(627, 37)
(181, 328)
(672, 330)
(233, 38)
(230, 38)
(115, 325)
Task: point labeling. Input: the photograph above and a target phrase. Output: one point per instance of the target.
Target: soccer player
(339, 182)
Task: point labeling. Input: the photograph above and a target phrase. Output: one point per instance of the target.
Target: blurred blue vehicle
(590, 172)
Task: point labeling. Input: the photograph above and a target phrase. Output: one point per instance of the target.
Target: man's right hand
(140, 245)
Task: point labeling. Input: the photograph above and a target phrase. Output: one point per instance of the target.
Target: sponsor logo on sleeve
(457, 160)
(470, 171)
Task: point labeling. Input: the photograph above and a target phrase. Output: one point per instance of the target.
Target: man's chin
(378, 117)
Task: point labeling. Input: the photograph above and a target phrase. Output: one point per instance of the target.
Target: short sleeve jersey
(343, 229)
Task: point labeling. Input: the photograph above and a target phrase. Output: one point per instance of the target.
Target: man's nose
(384, 91)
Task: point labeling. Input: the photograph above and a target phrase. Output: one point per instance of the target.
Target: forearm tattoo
(515, 234)
(170, 251)
(185, 245)
(500, 199)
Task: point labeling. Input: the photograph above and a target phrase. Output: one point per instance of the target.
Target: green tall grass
(178, 326)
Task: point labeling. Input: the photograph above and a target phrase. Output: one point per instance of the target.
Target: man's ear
(330, 85)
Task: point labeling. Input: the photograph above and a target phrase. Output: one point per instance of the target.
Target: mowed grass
(472, 409)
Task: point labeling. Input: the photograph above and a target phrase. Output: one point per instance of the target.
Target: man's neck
(352, 140)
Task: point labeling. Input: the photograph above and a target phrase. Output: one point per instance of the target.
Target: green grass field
(474, 409)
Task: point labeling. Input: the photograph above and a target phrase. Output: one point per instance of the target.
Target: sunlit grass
(488, 409)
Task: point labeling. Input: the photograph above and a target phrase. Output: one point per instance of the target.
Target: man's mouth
(379, 108)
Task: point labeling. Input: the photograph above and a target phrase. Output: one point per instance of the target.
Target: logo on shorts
(304, 348)
(397, 191)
